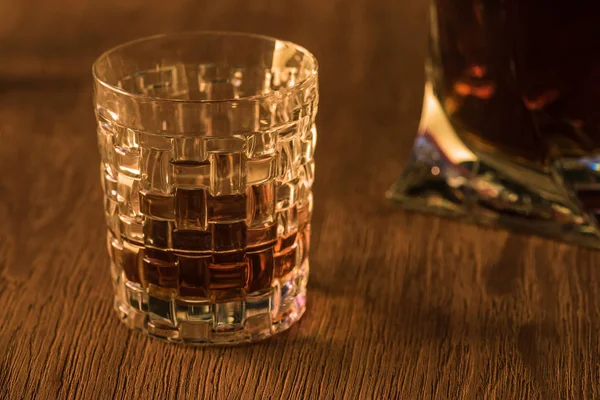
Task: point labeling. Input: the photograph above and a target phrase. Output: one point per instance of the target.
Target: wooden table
(401, 305)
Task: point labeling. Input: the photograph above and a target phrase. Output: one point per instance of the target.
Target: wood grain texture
(401, 305)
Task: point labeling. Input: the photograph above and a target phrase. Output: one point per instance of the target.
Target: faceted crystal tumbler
(207, 143)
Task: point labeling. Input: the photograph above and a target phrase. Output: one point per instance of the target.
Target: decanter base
(446, 177)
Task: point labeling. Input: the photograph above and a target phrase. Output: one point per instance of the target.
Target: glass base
(200, 322)
(448, 177)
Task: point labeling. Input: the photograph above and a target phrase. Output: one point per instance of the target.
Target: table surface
(401, 305)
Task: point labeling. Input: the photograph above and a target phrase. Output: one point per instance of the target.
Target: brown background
(401, 305)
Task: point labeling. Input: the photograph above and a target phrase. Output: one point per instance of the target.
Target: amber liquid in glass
(519, 77)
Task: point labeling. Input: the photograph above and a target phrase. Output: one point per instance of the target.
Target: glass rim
(277, 92)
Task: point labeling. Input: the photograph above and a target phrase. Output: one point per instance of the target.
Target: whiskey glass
(207, 142)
